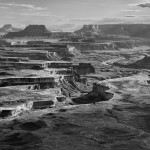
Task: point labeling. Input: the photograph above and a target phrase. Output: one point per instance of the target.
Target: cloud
(131, 10)
(10, 17)
(43, 14)
(2, 7)
(33, 7)
(112, 18)
(86, 19)
(144, 5)
(137, 16)
(130, 16)
(36, 14)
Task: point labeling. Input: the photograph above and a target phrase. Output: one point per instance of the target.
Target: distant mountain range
(31, 31)
(8, 28)
(130, 30)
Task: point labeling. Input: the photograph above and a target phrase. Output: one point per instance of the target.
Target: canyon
(83, 90)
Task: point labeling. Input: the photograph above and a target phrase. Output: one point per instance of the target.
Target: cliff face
(31, 31)
(36, 28)
(132, 30)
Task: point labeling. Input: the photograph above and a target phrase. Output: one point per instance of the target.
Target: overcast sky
(52, 12)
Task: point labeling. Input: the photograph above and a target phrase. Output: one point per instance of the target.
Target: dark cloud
(146, 5)
(130, 16)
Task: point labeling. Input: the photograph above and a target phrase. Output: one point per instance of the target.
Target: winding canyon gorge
(82, 90)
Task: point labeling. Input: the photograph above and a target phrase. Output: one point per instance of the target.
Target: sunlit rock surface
(74, 113)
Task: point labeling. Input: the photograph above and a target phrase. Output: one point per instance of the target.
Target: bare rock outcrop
(132, 30)
(31, 31)
(99, 93)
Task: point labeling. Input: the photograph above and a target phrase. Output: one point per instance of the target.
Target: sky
(58, 12)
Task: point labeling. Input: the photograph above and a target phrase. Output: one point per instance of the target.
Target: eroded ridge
(87, 94)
